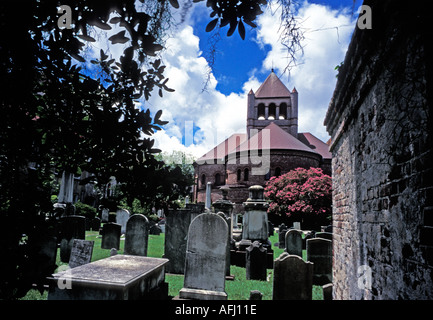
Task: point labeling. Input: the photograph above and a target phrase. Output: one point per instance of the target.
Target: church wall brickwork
(381, 130)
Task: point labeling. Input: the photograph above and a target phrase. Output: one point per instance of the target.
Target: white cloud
(327, 35)
(218, 115)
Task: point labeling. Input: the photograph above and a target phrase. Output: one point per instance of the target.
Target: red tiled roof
(272, 87)
(278, 140)
(316, 144)
(224, 148)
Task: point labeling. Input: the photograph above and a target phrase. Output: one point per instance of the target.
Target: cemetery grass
(237, 289)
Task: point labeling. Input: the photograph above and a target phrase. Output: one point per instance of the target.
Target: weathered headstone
(206, 259)
(81, 252)
(72, 227)
(294, 242)
(208, 202)
(122, 216)
(293, 278)
(319, 251)
(95, 224)
(111, 235)
(256, 258)
(176, 234)
(255, 225)
(104, 215)
(136, 236)
(282, 229)
(255, 295)
(327, 291)
(297, 225)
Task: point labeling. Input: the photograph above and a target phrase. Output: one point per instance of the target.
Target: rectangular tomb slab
(120, 277)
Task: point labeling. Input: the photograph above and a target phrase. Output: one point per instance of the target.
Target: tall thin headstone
(122, 216)
(293, 278)
(255, 264)
(136, 235)
(205, 265)
(72, 227)
(111, 235)
(319, 251)
(208, 195)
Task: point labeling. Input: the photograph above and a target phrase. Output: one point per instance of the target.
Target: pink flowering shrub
(301, 193)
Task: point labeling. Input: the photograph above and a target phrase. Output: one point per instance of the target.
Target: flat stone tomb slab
(120, 277)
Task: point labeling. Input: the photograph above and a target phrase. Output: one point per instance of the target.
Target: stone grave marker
(282, 229)
(81, 252)
(177, 223)
(111, 235)
(255, 263)
(122, 216)
(297, 225)
(72, 227)
(293, 242)
(319, 251)
(293, 278)
(104, 215)
(205, 265)
(137, 235)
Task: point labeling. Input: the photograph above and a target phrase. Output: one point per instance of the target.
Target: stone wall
(380, 124)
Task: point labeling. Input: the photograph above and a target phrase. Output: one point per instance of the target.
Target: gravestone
(176, 235)
(255, 295)
(95, 224)
(208, 203)
(81, 252)
(282, 229)
(293, 242)
(72, 227)
(297, 225)
(255, 225)
(205, 265)
(137, 235)
(119, 277)
(122, 216)
(255, 264)
(319, 251)
(293, 278)
(104, 215)
(111, 235)
(327, 291)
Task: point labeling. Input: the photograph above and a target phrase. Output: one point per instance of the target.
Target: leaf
(250, 23)
(100, 25)
(241, 30)
(86, 38)
(103, 55)
(211, 25)
(118, 38)
(115, 20)
(77, 57)
(232, 28)
(174, 3)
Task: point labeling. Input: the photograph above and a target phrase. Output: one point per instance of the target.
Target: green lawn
(237, 289)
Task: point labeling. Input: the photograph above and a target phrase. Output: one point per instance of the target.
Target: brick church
(270, 147)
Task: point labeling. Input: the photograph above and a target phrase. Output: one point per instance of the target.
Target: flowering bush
(301, 193)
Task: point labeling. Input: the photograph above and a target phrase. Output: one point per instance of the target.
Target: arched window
(238, 174)
(272, 111)
(246, 174)
(217, 179)
(277, 171)
(283, 111)
(203, 181)
(261, 111)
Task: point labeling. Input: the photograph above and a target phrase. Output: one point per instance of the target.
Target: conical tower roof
(272, 87)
